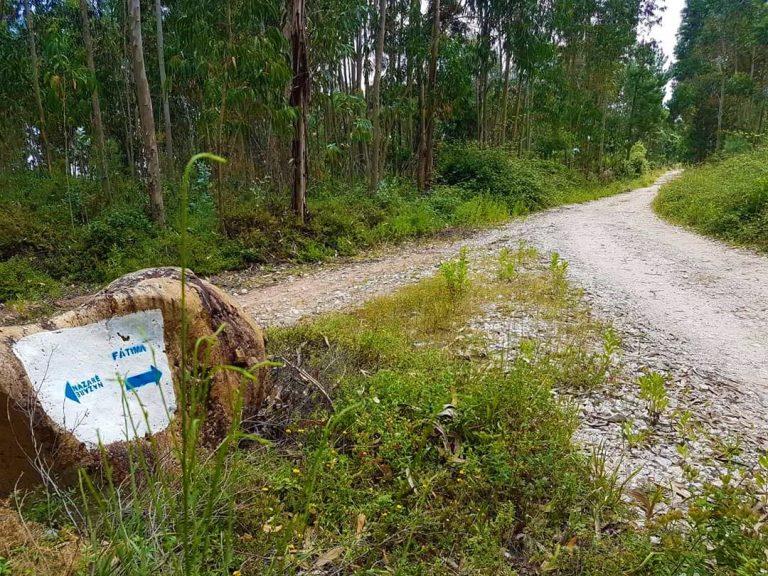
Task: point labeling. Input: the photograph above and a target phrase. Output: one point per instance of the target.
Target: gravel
(692, 308)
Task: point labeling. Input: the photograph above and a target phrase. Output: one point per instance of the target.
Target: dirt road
(705, 300)
(685, 305)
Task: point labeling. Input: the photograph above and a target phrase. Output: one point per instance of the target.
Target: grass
(726, 199)
(396, 443)
(59, 231)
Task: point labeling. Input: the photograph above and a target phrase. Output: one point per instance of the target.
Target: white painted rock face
(105, 382)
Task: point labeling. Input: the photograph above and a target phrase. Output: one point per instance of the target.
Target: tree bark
(428, 132)
(376, 108)
(299, 100)
(504, 102)
(30, 19)
(98, 124)
(163, 81)
(146, 116)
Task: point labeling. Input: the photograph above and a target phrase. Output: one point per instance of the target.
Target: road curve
(699, 301)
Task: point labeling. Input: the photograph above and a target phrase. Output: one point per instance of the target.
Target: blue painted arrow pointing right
(139, 380)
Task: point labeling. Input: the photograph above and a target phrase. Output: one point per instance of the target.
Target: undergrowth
(727, 199)
(56, 231)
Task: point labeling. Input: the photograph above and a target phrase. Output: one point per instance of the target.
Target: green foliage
(507, 265)
(653, 389)
(524, 185)
(455, 273)
(717, 99)
(727, 199)
(481, 211)
(65, 229)
(637, 164)
(20, 279)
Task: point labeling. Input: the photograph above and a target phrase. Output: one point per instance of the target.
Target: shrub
(637, 164)
(726, 199)
(480, 211)
(522, 184)
(20, 279)
(455, 273)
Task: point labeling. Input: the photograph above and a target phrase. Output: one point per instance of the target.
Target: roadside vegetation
(726, 199)
(57, 231)
(397, 442)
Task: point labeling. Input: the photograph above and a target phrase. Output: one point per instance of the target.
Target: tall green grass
(726, 199)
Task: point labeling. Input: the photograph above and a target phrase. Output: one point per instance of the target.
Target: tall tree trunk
(376, 108)
(504, 103)
(428, 132)
(299, 100)
(98, 124)
(518, 106)
(721, 99)
(30, 19)
(601, 151)
(720, 109)
(146, 116)
(631, 119)
(163, 81)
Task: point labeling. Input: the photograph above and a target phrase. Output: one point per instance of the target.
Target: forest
(315, 108)
(378, 106)
(414, 287)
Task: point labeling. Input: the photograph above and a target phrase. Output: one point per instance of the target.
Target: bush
(637, 164)
(727, 199)
(20, 279)
(481, 211)
(522, 184)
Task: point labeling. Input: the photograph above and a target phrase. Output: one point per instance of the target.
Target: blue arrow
(70, 393)
(152, 375)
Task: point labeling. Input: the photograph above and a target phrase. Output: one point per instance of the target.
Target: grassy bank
(726, 199)
(399, 444)
(59, 231)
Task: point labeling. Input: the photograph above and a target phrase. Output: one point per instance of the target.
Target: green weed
(507, 265)
(455, 273)
(653, 389)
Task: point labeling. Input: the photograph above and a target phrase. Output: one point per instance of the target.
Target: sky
(666, 32)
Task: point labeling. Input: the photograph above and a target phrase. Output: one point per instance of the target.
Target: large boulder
(105, 376)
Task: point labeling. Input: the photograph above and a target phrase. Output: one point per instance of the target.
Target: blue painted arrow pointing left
(139, 380)
(70, 393)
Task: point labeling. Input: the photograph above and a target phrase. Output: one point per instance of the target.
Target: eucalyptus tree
(29, 17)
(97, 122)
(721, 72)
(146, 115)
(300, 101)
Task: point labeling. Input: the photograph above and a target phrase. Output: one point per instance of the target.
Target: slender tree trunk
(376, 108)
(504, 103)
(720, 109)
(98, 124)
(30, 19)
(299, 100)
(631, 119)
(601, 152)
(428, 132)
(146, 117)
(163, 81)
(518, 107)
